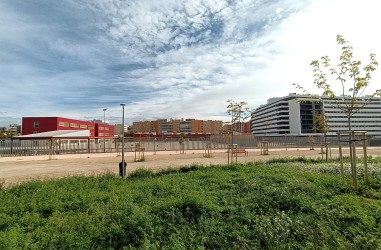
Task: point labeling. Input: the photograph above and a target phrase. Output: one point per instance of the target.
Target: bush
(141, 173)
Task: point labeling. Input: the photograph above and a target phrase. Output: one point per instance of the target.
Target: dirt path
(15, 170)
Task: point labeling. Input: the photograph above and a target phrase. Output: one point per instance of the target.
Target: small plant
(2, 183)
(192, 167)
(141, 173)
(168, 171)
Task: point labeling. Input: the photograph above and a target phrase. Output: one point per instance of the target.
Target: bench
(237, 151)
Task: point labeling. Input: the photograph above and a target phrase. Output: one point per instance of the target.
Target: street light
(122, 165)
(104, 129)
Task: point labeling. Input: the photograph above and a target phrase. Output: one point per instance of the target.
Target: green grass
(280, 204)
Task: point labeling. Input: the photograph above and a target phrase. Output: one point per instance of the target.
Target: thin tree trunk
(352, 154)
(364, 141)
(326, 146)
(341, 157)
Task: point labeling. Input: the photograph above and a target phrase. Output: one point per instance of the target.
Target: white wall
(294, 109)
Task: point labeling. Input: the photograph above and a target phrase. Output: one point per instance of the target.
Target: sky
(169, 58)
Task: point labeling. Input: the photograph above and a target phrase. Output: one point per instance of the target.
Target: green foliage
(348, 73)
(141, 173)
(286, 203)
(322, 125)
(238, 111)
(6, 134)
(353, 81)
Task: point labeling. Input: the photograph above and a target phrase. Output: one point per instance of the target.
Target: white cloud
(192, 55)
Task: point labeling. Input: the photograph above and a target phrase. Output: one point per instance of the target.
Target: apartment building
(177, 126)
(119, 129)
(296, 115)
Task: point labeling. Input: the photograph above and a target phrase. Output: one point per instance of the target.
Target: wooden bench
(237, 151)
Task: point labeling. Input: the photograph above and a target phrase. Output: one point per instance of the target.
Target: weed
(141, 173)
(2, 183)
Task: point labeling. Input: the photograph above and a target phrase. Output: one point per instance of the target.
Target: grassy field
(283, 203)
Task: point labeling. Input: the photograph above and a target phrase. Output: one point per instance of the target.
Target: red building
(33, 125)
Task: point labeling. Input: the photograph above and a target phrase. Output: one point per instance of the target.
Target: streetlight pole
(122, 165)
(104, 130)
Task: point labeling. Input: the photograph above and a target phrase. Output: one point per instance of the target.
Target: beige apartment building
(177, 126)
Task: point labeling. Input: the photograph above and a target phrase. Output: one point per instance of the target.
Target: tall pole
(104, 130)
(232, 137)
(123, 164)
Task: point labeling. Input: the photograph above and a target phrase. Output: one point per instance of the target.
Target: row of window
(362, 122)
(354, 126)
(270, 117)
(361, 110)
(76, 125)
(104, 128)
(270, 112)
(101, 134)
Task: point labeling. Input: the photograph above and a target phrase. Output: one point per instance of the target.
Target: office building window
(36, 124)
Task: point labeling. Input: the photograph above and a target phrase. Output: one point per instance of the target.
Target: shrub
(141, 173)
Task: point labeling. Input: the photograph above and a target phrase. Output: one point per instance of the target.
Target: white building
(296, 115)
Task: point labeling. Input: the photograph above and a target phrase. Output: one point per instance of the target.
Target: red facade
(32, 125)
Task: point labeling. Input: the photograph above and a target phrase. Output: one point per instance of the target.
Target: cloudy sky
(168, 58)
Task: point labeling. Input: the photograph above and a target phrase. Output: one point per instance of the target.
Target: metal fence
(45, 147)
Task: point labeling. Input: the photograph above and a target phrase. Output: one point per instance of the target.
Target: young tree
(322, 126)
(239, 112)
(353, 83)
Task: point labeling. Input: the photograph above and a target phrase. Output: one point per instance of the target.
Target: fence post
(364, 141)
(341, 156)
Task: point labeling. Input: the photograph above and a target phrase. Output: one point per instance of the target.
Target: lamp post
(104, 129)
(122, 165)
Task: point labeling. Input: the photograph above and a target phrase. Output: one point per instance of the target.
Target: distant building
(119, 129)
(34, 125)
(239, 127)
(10, 131)
(296, 115)
(178, 126)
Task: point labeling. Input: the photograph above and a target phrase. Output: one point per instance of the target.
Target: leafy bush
(141, 173)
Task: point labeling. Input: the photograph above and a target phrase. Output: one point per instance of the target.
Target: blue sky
(168, 58)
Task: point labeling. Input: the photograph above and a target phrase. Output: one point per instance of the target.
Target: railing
(44, 147)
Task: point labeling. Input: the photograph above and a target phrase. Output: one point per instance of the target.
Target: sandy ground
(15, 170)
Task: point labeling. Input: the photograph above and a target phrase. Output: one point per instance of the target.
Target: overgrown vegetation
(283, 203)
